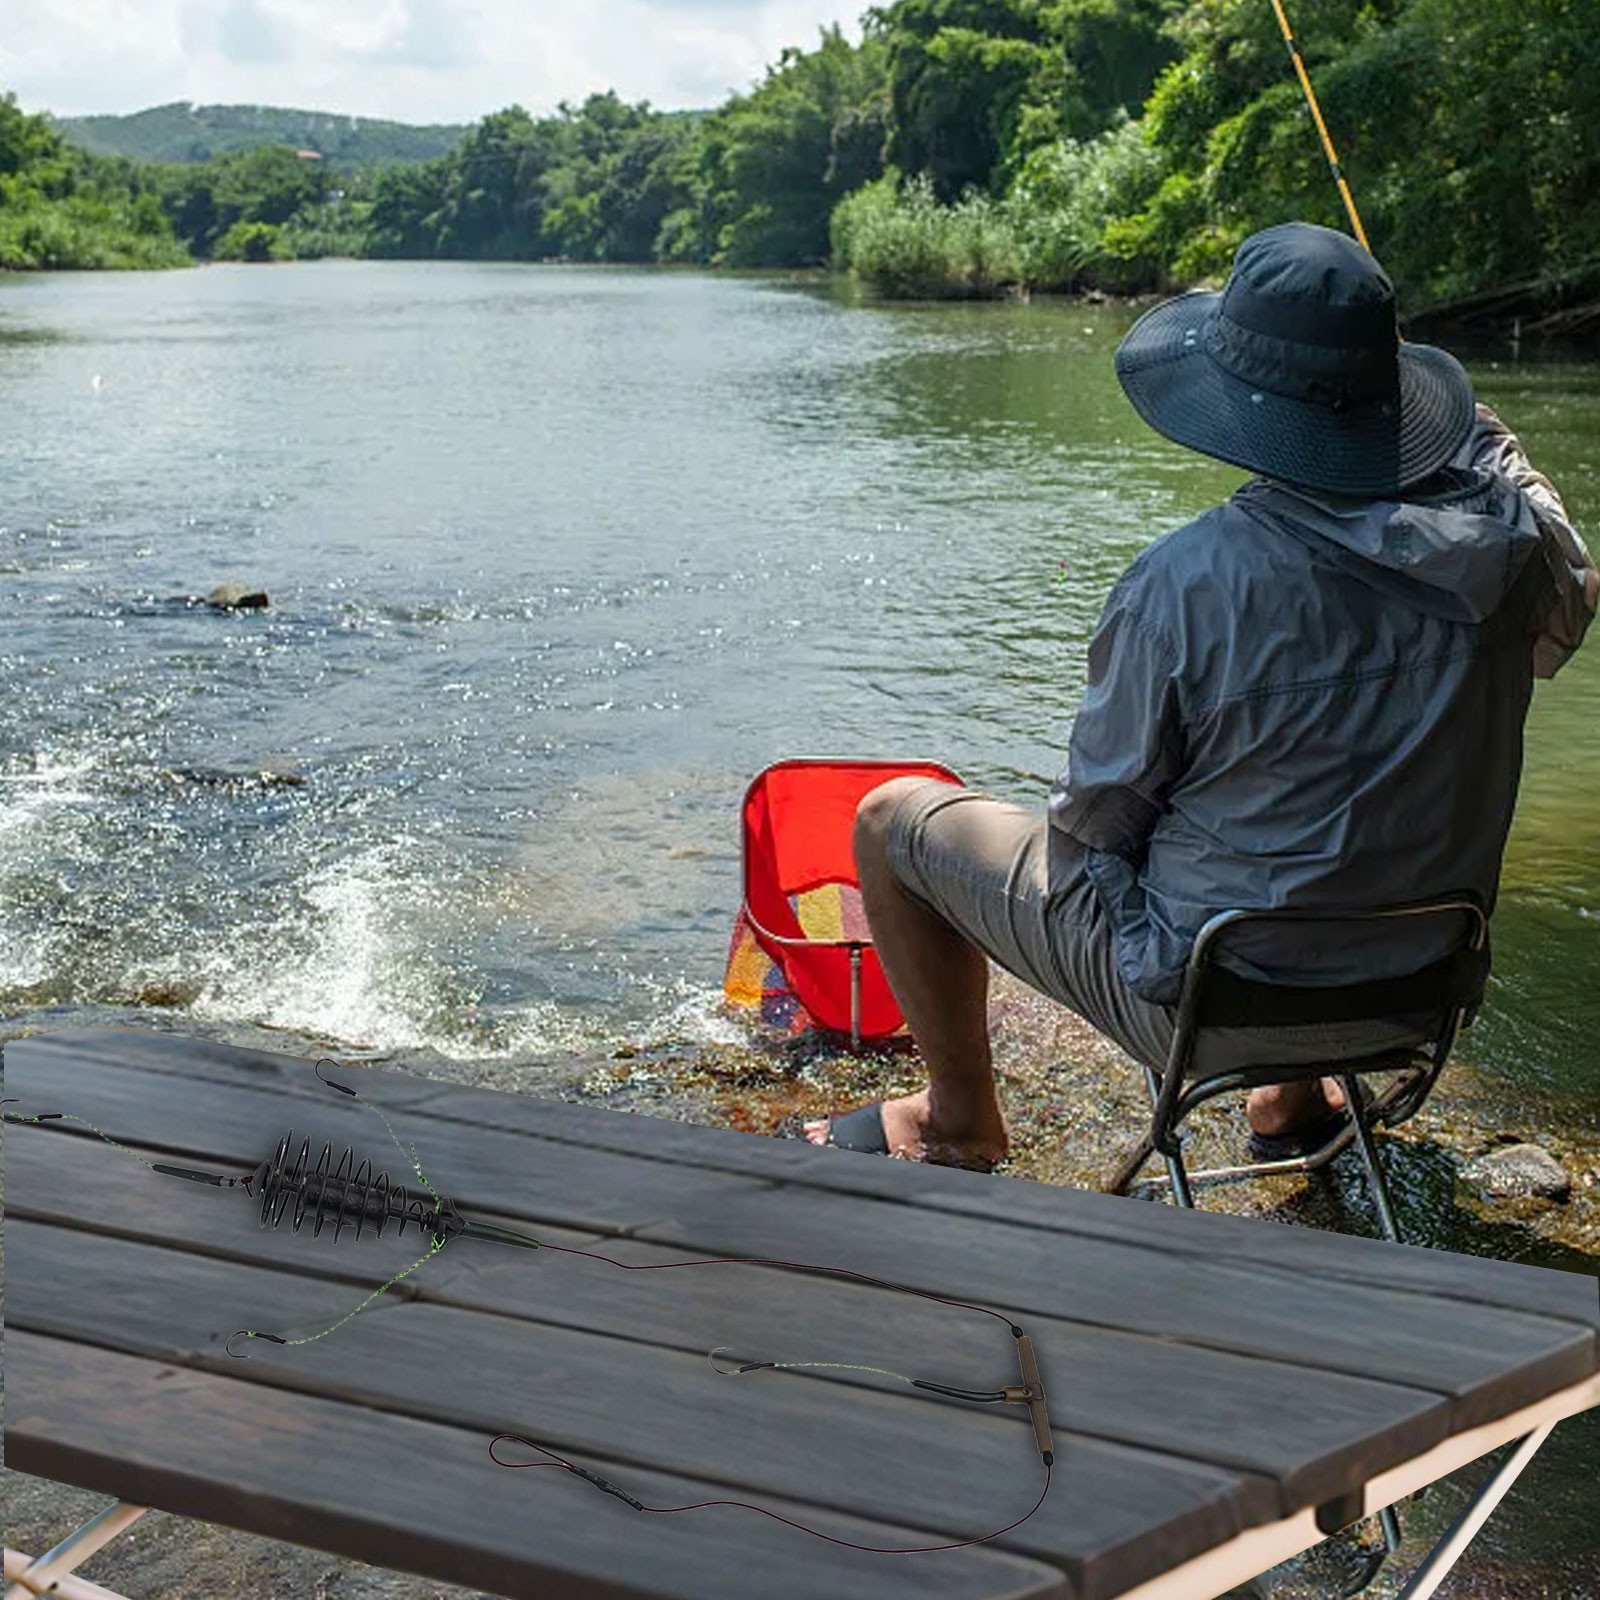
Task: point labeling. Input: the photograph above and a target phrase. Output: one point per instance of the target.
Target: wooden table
(1213, 1381)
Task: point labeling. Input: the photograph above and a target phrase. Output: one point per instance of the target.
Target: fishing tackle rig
(334, 1195)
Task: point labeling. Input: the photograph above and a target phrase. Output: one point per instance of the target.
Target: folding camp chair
(1215, 995)
(801, 896)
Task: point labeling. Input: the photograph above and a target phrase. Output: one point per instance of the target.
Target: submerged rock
(170, 995)
(236, 597)
(270, 776)
(1518, 1171)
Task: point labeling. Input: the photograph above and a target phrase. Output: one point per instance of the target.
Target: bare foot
(908, 1128)
(1282, 1107)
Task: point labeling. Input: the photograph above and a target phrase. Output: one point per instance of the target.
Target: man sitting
(1312, 696)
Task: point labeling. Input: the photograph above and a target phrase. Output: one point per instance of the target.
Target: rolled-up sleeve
(1126, 746)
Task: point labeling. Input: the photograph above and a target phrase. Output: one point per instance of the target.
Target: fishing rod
(1322, 127)
(336, 1195)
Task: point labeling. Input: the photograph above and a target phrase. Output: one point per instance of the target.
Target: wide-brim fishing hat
(1296, 370)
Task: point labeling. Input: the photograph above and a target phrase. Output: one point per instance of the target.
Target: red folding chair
(802, 901)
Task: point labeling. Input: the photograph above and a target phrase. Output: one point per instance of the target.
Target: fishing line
(67, 1116)
(606, 1486)
(344, 1194)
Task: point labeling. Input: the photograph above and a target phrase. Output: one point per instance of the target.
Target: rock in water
(1517, 1171)
(235, 597)
(269, 776)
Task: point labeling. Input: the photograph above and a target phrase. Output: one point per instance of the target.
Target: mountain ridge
(181, 131)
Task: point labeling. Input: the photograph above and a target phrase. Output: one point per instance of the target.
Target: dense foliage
(592, 182)
(266, 204)
(959, 147)
(60, 207)
(1470, 130)
(184, 132)
(751, 184)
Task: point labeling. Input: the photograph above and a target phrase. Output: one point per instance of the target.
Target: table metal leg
(1436, 1566)
(50, 1573)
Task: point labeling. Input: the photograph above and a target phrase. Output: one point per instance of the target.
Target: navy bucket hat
(1296, 370)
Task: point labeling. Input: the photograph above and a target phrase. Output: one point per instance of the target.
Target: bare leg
(1284, 1106)
(941, 982)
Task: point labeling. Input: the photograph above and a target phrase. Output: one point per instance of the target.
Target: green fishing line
(250, 1333)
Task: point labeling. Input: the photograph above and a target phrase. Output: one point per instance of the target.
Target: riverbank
(1074, 1101)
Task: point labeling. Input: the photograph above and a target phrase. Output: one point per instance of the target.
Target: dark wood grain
(1211, 1407)
(290, 1466)
(1206, 1373)
(1486, 1359)
(951, 1470)
(1567, 1296)
(239, 1125)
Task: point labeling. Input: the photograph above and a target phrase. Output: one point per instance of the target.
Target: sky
(413, 60)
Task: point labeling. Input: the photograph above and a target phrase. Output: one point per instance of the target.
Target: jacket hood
(1453, 547)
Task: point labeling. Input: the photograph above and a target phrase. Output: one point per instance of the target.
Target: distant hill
(185, 132)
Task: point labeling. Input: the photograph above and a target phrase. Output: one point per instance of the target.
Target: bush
(1067, 196)
(329, 230)
(253, 241)
(80, 231)
(1072, 220)
(901, 240)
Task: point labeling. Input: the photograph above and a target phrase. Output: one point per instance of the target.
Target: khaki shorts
(1019, 890)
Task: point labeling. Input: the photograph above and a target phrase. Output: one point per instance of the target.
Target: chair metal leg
(1315, 1162)
(855, 998)
(1389, 1521)
(1370, 1159)
(1437, 1564)
(1178, 1176)
(1177, 1173)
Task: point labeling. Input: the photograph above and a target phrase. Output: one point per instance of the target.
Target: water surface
(558, 558)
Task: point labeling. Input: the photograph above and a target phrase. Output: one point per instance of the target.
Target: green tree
(270, 184)
(773, 162)
(253, 241)
(977, 84)
(962, 75)
(407, 209)
(60, 207)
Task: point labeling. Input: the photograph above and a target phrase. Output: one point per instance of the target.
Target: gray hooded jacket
(1305, 702)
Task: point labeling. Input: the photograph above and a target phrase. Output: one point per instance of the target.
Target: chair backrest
(1219, 995)
(798, 839)
(1443, 988)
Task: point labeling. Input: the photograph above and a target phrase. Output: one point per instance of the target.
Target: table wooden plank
(1348, 1258)
(1212, 1407)
(240, 1125)
(286, 1465)
(86, 1184)
(1515, 1285)
(1253, 1317)
(945, 1469)
(1486, 1359)
(1153, 1311)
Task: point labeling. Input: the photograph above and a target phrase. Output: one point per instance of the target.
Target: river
(558, 559)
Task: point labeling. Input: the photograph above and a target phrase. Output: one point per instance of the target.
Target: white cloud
(417, 60)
